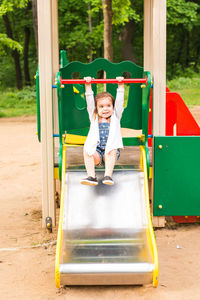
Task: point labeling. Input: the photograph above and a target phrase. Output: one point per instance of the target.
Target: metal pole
(101, 81)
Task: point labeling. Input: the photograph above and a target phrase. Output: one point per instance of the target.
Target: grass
(17, 103)
(188, 88)
(190, 96)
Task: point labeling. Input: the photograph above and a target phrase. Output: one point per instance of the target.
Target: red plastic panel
(185, 122)
(187, 219)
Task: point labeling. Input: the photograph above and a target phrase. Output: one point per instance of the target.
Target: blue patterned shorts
(103, 135)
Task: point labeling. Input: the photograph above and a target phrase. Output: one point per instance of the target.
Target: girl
(104, 138)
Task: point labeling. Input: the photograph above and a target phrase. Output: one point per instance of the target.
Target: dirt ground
(27, 252)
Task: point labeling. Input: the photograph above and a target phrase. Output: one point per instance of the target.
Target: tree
(74, 35)
(116, 16)
(7, 43)
(130, 29)
(11, 12)
(107, 15)
(81, 32)
(182, 35)
(27, 34)
(35, 22)
(15, 52)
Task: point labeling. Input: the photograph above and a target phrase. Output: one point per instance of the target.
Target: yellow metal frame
(56, 173)
(150, 232)
(74, 139)
(60, 232)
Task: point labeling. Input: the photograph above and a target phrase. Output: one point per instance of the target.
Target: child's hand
(88, 87)
(120, 83)
(120, 78)
(88, 79)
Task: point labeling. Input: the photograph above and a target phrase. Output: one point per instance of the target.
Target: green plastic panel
(72, 110)
(73, 106)
(63, 58)
(177, 176)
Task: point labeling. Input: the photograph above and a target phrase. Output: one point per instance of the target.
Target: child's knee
(88, 157)
(112, 153)
(97, 158)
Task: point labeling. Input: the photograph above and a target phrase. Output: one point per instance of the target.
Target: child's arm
(119, 102)
(89, 97)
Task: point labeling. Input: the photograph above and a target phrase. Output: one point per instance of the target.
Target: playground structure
(154, 61)
(92, 252)
(116, 245)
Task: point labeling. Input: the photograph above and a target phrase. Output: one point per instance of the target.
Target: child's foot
(107, 180)
(89, 181)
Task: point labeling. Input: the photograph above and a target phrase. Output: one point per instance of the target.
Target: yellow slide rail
(75, 140)
(60, 231)
(150, 232)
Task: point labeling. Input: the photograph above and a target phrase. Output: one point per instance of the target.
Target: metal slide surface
(105, 237)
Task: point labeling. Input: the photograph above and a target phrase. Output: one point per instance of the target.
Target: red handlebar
(93, 80)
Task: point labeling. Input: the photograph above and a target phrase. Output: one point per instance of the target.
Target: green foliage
(182, 12)
(16, 103)
(73, 26)
(10, 5)
(7, 75)
(7, 71)
(183, 27)
(184, 82)
(123, 11)
(183, 43)
(6, 42)
(7, 6)
(75, 36)
(19, 14)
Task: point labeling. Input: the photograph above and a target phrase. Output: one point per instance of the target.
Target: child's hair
(101, 96)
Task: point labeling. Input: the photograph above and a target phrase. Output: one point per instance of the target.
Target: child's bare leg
(97, 158)
(110, 159)
(90, 162)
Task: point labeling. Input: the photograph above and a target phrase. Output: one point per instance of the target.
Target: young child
(104, 138)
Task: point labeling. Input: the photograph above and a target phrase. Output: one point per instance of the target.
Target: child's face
(105, 107)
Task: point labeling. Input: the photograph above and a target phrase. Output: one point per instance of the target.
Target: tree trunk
(197, 58)
(35, 22)
(126, 36)
(181, 36)
(90, 29)
(26, 47)
(187, 49)
(27, 34)
(107, 15)
(15, 53)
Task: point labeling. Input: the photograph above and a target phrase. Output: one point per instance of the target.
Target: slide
(105, 234)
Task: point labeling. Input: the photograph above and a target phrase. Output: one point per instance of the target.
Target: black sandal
(107, 180)
(89, 181)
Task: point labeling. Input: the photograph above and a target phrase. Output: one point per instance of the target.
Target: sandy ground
(27, 252)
